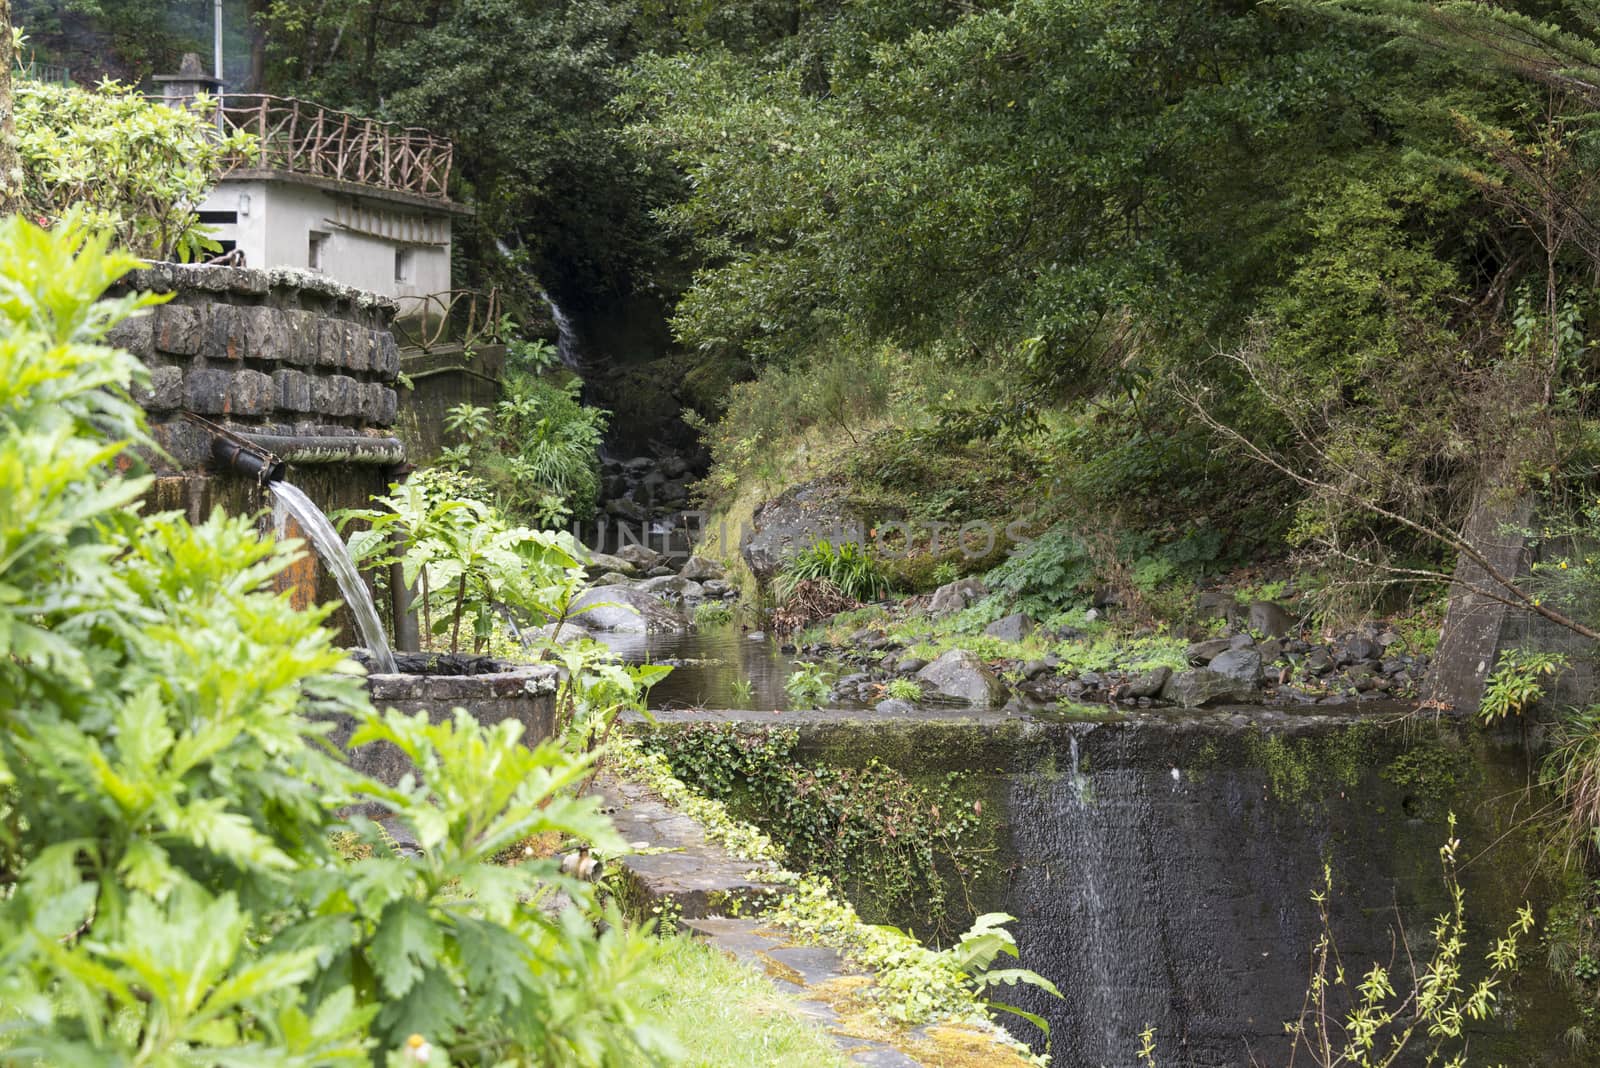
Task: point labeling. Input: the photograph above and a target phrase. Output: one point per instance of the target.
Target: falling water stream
(566, 338)
(289, 500)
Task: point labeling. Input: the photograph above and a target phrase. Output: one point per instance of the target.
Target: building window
(316, 250)
(402, 264)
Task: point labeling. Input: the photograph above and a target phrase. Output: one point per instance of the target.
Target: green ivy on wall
(900, 850)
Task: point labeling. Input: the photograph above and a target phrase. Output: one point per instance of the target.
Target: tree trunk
(257, 17)
(10, 162)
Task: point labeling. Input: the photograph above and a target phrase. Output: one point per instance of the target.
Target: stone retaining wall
(286, 353)
(280, 353)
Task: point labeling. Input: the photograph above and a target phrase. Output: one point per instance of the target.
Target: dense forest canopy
(1338, 229)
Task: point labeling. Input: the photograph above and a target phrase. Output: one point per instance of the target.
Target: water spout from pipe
(289, 500)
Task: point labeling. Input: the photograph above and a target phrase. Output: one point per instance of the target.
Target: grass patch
(726, 1014)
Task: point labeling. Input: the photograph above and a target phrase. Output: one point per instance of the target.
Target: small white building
(363, 201)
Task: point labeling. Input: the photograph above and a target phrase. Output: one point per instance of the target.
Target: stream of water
(289, 500)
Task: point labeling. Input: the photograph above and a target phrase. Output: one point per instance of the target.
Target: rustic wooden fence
(306, 138)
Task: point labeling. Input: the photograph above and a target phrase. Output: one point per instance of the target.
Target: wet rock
(674, 586)
(1272, 620)
(1392, 667)
(700, 569)
(714, 587)
(628, 609)
(1012, 628)
(674, 466)
(961, 674)
(611, 578)
(658, 571)
(893, 706)
(1319, 661)
(1270, 651)
(952, 597)
(1204, 652)
(1147, 684)
(1202, 686)
(624, 508)
(1358, 648)
(640, 556)
(756, 636)
(1240, 665)
(911, 665)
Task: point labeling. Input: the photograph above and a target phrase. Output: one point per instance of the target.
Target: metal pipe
(256, 463)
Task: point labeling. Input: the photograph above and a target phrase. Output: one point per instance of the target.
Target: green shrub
(808, 684)
(138, 168)
(712, 614)
(538, 450)
(903, 690)
(849, 568)
(1050, 574)
(1517, 681)
(168, 810)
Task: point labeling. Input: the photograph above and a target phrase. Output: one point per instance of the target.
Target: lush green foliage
(171, 894)
(465, 561)
(848, 567)
(1519, 679)
(808, 685)
(911, 982)
(900, 851)
(538, 449)
(137, 168)
(732, 1016)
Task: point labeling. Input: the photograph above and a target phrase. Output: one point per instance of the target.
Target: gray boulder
(600, 563)
(611, 578)
(952, 597)
(1204, 652)
(624, 608)
(1216, 604)
(1272, 620)
(1012, 628)
(700, 569)
(674, 586)
(1202, 686)
(1148, 684)
(1241, 665)
(714, 587)
(797, 519)
(640, 556)
(895, 707)
(960, 674)
(910, 665)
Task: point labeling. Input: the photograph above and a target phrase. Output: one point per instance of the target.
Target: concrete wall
(1160, 868)
(362, 236)
(441, 380)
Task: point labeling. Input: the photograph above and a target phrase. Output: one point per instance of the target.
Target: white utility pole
(217, 39)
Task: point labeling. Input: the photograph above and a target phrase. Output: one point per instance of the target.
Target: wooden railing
(306, 138)
(464, 317)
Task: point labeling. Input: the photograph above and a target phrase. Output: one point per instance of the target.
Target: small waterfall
(566, 337)
(288, 500)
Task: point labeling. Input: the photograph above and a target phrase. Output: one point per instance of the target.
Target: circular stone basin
(491, 690)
